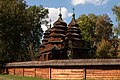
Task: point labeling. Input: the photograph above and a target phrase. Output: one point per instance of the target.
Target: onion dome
(56, 36)
(58, 31)
(73, 22)
(45, 40)
(73, 40)
(73, 31)
(46, 36)
(60, 21)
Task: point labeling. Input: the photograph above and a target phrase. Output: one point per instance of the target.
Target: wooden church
(63, 42)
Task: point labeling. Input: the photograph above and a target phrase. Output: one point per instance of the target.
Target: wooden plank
(19, 71)
(29, 72)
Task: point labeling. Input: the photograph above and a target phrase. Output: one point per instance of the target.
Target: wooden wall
(103, 72)
(90, 72)
(43, 72)
(67, 73)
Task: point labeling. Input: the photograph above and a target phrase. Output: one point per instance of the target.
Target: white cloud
(76, 2)
(54, 15)
(44, 27)
(95, 2)
(70, 14)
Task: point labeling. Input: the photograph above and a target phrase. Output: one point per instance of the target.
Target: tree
(105, 49)
(95, 29)
(103, 28)
(20, 26)
(12, 19)
(87, 26)
(116, 11)
(116, 31)
(36, 14)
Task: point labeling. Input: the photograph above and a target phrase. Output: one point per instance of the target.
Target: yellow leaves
(105, 49)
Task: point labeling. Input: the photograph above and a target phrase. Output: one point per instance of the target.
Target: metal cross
(60, 12)
(60, 9)
(73, 13)
(73, 10)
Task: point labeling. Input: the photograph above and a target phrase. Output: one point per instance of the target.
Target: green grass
(12, 77)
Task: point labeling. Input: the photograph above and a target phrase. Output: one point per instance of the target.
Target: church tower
(44, 43)
(54, 45)
(73, 41)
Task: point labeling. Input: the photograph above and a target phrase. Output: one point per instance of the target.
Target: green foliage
(87, 26)
(116, 11)
(103, 28)
(20, 26)
(105, 49)
(95, 29)
(116, 31)
(12, 77)
(36, 14)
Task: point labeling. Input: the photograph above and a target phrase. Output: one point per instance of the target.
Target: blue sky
(97, 7)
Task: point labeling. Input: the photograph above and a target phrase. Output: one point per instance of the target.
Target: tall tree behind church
(95, 28)
(116, 11)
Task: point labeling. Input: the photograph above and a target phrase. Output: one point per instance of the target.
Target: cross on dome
(73, 13)
(60, 12)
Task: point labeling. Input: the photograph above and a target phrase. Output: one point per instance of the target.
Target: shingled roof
(72, 62)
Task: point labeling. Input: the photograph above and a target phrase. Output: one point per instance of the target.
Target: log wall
(73, 72)
(97, 73)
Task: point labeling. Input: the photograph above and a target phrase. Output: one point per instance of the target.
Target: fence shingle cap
(67, 62)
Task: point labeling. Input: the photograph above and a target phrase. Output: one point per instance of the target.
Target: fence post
(23, 71)
(50, 73)
(35, 72)
(14, 71)
(84, 74)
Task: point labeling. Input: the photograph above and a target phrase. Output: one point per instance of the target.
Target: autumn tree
(106, 49)
(116, 11)
(95, 28)
(116, 31)
(103, 28)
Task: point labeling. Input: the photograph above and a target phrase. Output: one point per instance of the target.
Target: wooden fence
(105, 69)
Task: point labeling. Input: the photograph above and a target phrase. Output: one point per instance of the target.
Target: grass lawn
(12, 77)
